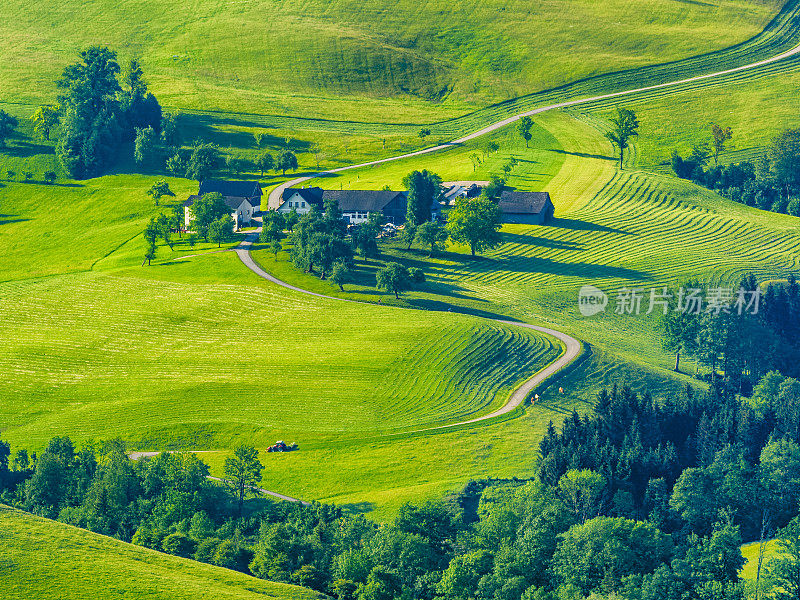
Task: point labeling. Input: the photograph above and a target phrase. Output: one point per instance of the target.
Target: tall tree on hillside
(287, 161)
(524, 126)
(90, 128)
(720, 136)
(243, 473)
(475, 222)
(220, 229)
(625, 126)
(432, 236)
(784, 160)
(205, 210)
(139, 107)
(424, 188)
(679, 327)
(265, 162)
(170, 136)
(144, 146)
(203, 161)
(8, 124)
(44, 120)
(158, 190)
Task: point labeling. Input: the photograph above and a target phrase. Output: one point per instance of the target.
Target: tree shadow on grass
(584, 270)
(579, 225)
(207, 128)
(541, 242)
(357, 508)
(7, 220)
(584, 155)
(22, 149)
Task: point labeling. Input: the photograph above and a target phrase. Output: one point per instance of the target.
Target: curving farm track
(518, 396)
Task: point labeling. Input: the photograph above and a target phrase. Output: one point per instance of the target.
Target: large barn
(356, 205)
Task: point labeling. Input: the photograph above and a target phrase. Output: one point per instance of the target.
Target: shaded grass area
(41, 558)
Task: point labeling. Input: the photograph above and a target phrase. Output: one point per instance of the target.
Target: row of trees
(771, 183)
(48, 177)
(644, 500)
(740, 348)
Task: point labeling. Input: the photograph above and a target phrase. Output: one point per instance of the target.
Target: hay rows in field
(481, 366)
(91, 352)
(637, 232)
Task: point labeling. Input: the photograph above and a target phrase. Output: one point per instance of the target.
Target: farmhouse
(300, 199)
(533, 208)
(242, 197)
(356, 205)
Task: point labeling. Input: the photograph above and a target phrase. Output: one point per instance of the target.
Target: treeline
(645, 500)
(739, 345)
(771, 183)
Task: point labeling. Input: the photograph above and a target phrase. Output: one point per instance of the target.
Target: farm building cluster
(244, 200)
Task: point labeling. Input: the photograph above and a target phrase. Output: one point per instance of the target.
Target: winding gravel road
(275, 195)
(518, 396)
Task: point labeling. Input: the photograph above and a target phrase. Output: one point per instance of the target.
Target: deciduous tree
(44, 120)
(524, 126)
(424, 188)
(242, 473)
(625, 125)
(476, 223)
(394, 278)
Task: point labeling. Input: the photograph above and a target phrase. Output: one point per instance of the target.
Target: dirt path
(518, 396)
(274, 196)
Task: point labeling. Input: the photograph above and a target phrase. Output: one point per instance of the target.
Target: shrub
(50, 177)
(780, 205)
(417, 275)
(794, 207)
(178, 544)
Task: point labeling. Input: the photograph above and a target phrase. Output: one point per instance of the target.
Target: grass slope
(320, 57)
(612, 229)
(40, 558)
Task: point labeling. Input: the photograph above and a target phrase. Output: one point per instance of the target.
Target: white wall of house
(241, 216)
(295, 202)
(354, 218)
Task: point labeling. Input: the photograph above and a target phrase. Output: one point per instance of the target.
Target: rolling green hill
(40, 558)
(319, 58)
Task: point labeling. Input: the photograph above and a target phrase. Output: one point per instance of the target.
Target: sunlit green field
(321, 59)
(613, 230)
(45, 559)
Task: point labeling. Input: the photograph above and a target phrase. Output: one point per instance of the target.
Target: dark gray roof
(523, 203)
(312, 195)
(236, 189)
(361, 200)
(233, 202)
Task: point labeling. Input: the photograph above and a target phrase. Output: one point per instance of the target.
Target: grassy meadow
(40, 558)
(612, 229)
(323, 59)
(196, 352)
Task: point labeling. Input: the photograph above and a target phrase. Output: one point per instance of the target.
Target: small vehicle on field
(281, 446)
